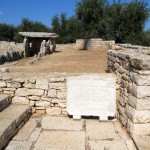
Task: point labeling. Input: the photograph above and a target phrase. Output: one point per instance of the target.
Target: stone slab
(39, 34)
(26, 131)
(61, 123)
(100, 131)
(19, 145)
(5, 101)
(107, 145)
(35, 134)
(142, 142)
(87, 95)
(61, 140)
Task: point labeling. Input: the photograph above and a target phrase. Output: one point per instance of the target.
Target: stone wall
(133, 106)
(5, 46)
(86, 44)
(44, 93)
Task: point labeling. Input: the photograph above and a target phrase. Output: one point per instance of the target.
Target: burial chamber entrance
(38, 43)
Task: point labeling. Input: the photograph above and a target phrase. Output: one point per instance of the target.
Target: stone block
(53, 111)
(139, 104)
(35, 98)
(87, 95)
(61, 140)
(3, 84)
(52, 93)
(61, 95)
(139, 129)
(20, 100)
(138, 116)
(42, 104)
(19, 145)
(139, 91)
(29, 85)
(57, 86)
(99, 131)
(29, 92)
(67, 124)
(141, 62)
(140, 79)
(42, 84)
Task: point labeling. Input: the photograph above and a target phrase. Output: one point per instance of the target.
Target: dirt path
(70, 61)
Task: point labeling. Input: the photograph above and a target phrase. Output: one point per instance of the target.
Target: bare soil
(70, 61)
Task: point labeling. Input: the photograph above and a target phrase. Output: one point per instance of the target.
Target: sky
(12, 11)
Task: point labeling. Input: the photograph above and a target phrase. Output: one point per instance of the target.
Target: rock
(2, 70)
(57, 85)
(29, 92)
(53, 111)
(40, 111)
(42, 84)
(20, 100)
(3, 84)
(35, 98)
(42, 104)
(141, 62)
(52, 93)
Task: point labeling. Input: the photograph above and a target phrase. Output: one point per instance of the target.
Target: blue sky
(12, 11)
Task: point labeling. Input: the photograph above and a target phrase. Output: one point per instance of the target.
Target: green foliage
(29, 26)
(7, 32)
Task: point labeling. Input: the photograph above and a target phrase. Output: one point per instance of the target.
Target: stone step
(11, 121)
(5, 101)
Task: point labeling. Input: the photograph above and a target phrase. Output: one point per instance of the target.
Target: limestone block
(141, 62)
(42, 84)
(11, 93)
(15, 84)
(46, 99)
(62, 105)
(29, 92)
(52, 93)
(123, 120)
(87, 95)
(56, 101)
(9, 89)
(141, 129)
(140, 79)
(42, 104)
(35, 98)
(53, 111)
(20, 100)
(29, 85)
(61, 95)
(122, 110)
(32, 103)
(19, 79)
(61, 79)
(139, 104)
(3, 84)
(58, 85)
(139, 91)
(138, 116)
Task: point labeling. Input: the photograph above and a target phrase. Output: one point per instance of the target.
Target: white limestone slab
(91, 95)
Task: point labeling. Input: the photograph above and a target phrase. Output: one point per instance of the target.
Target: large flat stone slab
(26, 131)
(107, 145)
(11, 120)
(142, 142)
(61, 123)
(39, 34)
(100, 131)
(19, 145)
(87, 95)
(61, 140)
(5, 101)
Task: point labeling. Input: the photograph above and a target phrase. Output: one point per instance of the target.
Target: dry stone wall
(87, 44)
(133, 105)
(45, 94)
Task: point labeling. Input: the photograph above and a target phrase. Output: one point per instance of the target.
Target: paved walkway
(62, 133)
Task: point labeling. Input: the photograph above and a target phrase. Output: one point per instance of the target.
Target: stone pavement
(62, 133)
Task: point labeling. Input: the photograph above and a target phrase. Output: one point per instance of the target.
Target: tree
(7, 32)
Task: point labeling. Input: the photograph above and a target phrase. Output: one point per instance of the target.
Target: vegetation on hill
(122, 22)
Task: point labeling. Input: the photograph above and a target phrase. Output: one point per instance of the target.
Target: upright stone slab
(91, 95)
